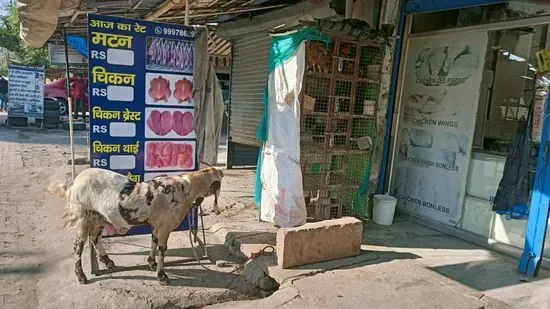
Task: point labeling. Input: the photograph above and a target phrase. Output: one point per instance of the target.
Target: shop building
(467, 78)
(250, 40)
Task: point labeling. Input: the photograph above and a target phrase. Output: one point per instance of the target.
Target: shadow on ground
(190, 277)
(406, 234)
(183, 270)
(485, 275)
(458, 260)
(365, 258)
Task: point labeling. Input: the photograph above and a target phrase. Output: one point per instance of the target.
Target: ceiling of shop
(73, 14)
(171, 11)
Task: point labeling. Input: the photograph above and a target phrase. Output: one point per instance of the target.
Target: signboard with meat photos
(141, 102)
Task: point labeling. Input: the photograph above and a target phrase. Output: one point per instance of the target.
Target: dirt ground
(36, 253)
(401, 266)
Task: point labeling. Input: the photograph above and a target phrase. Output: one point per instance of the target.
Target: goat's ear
(185, 186)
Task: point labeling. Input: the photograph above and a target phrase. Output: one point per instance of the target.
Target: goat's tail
(70, 217)
(59, 189)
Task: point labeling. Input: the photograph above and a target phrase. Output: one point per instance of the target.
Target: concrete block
(256, 272)
(319, 241)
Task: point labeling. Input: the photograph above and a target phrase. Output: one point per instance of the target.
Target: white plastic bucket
(384, 209)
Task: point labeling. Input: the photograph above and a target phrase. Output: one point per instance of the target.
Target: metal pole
(70, 103)
(399, 43)
(187, 12)
(397, 100)
(537, 224)
(229, 153)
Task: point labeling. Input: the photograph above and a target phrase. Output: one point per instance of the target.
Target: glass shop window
(508, 85)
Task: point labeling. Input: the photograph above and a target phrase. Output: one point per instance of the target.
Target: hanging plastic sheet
(278, 176)
(208, 97)
(39, 18)
(282, 199)
(514, 191)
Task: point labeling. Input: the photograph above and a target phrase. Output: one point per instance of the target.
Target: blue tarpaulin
(79, 44)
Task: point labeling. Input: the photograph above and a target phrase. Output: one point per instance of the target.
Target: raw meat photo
(159, 89)
(182, 122)
(169, 55)
(169, 89)
(160, 123)
(184, 91)
(162, 155)
(169, 123)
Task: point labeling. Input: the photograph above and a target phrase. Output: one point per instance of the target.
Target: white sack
(282, 193)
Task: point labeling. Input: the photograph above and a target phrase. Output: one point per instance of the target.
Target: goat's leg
(215, 208)
(162, 241)
(98, 245)
(78, 248)
(151, 259)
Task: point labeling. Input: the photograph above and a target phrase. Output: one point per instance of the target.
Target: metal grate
(338, 125)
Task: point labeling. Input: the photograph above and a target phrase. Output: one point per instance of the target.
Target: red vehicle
(57, 90)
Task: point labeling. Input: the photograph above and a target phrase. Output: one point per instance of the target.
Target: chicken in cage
(338, 118)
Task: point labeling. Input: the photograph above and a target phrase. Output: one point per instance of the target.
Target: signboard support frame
(70, 103)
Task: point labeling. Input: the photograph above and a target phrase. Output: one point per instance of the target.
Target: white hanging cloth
(282, 200)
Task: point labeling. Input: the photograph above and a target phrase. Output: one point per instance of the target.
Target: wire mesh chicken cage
(338, 125)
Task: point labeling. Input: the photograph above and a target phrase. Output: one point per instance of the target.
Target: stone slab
(319, 241)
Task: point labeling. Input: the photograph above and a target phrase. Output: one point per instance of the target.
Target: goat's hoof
(83, 280)
(152, 263)
(107, 262)
(163, 282)
(162, 278)
(110, 265)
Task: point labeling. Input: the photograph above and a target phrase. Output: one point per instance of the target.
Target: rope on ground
(262, 252)
(241, 266)
(204, 243)
(191, 241)
(255, 255)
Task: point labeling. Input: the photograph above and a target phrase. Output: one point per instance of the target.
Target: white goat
(99, 198)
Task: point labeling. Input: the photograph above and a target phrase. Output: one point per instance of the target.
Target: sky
(2, 5)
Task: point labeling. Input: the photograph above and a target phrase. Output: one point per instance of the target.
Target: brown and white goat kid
(99, 198)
